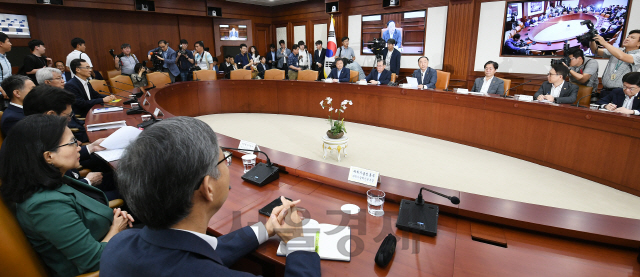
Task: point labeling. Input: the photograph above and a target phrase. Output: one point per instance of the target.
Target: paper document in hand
(110, 155)
(413, 82)
(332, 242)
(121, 138)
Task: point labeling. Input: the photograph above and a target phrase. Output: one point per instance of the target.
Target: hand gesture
(117, 59)
(611, 107)
(95, 178)
(288, 224)
(540, 97)
(277, 214)
(95, 146)
(599, 39)
(121, 219)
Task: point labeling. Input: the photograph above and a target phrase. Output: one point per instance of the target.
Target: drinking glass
(249, 161)
(375, 201)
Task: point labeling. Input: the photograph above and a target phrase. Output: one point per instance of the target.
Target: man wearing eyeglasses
(625, 100)
(583, 70)
(86, 96)
(555, 89)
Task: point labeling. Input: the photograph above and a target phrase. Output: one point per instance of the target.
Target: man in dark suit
(262, 67)
(379, 75)
(555, 89)
(624, 100)
(168, 56)
(16, 87)
(174, 241)
(318, 59)
(272, 59)
(66, 75)
(228, 66)
(86, 96)
(340, 73)
(392, 63)
(427, 76)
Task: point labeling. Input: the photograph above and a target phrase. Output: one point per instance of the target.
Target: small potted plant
(337, 128)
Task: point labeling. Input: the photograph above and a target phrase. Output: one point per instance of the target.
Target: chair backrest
(205, 75)
(274, 74)
(99, 85)
(160, 79)
(17, 257)
(307, 75)
(507, 85)
(354, 76)
(123, 83)
(443, 80)
(113, 73)
(241, 74)
(393, 77)
(582, 92)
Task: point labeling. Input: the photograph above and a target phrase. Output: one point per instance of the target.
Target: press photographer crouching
(185, 61)
(125, 61)
(621, 60)
(582, 70)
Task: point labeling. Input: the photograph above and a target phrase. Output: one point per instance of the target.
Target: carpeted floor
(430, 161)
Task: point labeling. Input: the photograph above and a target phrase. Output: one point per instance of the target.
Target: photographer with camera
(347, 53)
(621, 60)
(185, 61)
(164, 59)
(513, 46)
(125, 61)
(203, 59)
(582, 70)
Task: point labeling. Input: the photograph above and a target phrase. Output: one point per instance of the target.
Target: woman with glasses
(67, 222)
(555, 89)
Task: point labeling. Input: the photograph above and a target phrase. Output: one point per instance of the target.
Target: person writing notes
(490, 83)
(555, 89)
(624, 100)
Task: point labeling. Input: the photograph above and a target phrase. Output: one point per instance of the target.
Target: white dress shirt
(555, 91)
(486, 84)
(422, 75)
(75, 54)
(628, 103)
(20, 106)
(85, 84)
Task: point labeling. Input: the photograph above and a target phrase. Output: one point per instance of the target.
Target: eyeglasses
(86, 67)
(629, 88)
(74, 142)
(59, 78)
(227, 158)
(549, 74)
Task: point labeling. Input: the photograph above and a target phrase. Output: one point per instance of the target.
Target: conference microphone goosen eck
(583, 97)
(420, 200)
(127, 91)
(505, 93)
(397, 82)
(261, 174)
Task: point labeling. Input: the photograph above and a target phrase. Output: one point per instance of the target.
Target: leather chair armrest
(84, 172)
(116, 203)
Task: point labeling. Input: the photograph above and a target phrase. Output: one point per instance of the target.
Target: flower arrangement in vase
(337, 128)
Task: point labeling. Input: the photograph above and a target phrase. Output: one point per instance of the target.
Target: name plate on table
(248, 145)
(521, 97)
(364, 176)
(462, 91)
(148, 94)
(157, 112)
(145, 102)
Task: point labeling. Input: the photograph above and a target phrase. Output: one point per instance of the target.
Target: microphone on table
(583, 97)
(139, 110)
(261, 174)
(505, 93)
(419, 217)
(397, 82)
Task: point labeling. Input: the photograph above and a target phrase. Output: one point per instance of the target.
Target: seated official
(16, 87)
(262, 67)
(139, 78)
(86, 96)
(555, 89)
(177, 198)
(379, 75)
(67, 222)
(340, 73)
(392, 57)
(490, 84)
(427, 76)
(228, 66)
(624, 100)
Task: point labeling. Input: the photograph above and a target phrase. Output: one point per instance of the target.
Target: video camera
(111, 51)
(157, 63)
(565, 58)
(587, 37)
(182, 51)
(377, 45)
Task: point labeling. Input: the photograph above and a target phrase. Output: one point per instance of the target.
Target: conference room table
(482, 236)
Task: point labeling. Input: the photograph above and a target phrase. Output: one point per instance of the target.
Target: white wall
(608, 3)
(319, 33)
(434, 40)
(281, 34)
(299, 33)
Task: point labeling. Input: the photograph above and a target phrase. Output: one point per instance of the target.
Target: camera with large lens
(157, 63)
(587, 37)
(182, 51)
(377, 45)
(111, 51)
(565, 58)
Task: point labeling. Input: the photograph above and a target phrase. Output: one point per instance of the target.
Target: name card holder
(248, 145)
(145, 103)
(520, 97)
(364, 176)
(148, 94)
(157, 112)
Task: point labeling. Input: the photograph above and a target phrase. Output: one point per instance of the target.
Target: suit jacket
(272, 62)
(65, 227)
(617, 97)
(345, 75)
(67, 76)
(318, 57)
(496, 86)
(394, 64)
(385, 76)
(568, 94)
(170, 60)
(83, 104)
(281, 57)
(149, 252)
(261, 69)
(11, 116)
(430, 77)
(227, 70)
(397, 36)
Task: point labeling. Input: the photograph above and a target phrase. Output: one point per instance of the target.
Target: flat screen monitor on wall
(542, 28)
(406, 28)
(14, 25)
(233, 32)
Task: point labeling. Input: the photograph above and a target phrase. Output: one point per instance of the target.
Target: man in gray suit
(427, 76)
(490, 83)
(282, 55)
(555, 89)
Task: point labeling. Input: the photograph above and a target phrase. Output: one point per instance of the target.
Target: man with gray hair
(174, 177)
(50, 76)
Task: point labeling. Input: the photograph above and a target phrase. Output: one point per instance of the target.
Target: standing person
(203, 59)
(254, 55)
(35, 61)
(347, 53)
(304, 57)
(229, 66)
(185, 61)
(127, 63)
(283, 55)
(583, 70)
(79, 49)
(318, 59)
(243, 60)
(5, 65)
(272, 60)
(621, 60)
(293, 63)
(168, 58)
(392, 57)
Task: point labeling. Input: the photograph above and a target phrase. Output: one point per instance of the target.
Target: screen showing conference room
(14, 25)
(406, 28)
(233, 32)
(544, 27)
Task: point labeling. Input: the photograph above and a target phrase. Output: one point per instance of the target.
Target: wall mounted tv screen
(406, 28)
(14, 25)
(233, 32)
(543, 28)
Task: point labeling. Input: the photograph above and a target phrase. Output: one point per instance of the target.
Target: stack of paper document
(107, 110)
(332, 242)
(107, 125)
(117, 142)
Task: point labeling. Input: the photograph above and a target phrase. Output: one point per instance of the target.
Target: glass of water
(375, 201)
(249, 161)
